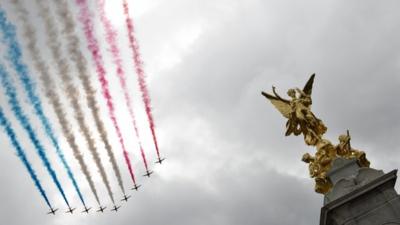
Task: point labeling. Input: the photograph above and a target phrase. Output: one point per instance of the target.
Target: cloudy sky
(228, 161)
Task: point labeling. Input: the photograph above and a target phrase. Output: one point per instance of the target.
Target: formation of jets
(115, 208)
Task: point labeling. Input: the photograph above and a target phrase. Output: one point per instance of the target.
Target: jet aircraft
(160, 160)
(148, 173)
(52, 211)
(136, 187)
(70, 210)
(101, 209)
(125, 198)
(115, 208)
(86, 210)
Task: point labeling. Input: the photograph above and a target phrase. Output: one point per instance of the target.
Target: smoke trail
(80, 63)
(21, 154)
(111, 35)
(14, 57)
(40, 65)
(69, 88)
(79, 60)
(140, 72)
(93, 47)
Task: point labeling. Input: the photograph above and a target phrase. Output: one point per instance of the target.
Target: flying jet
(86, 210)
(70, 210)
(125, 198)
(136, 187)
(160, 160)
(148, 173)
(101, 209)
(115, 208)
(52, 211)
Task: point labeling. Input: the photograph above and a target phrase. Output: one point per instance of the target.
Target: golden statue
(298, 112)
(301, 120)
(343, 149)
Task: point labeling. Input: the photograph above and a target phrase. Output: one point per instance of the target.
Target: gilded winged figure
(298, 112)
(301, 120)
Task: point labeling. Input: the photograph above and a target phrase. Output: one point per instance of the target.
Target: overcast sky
(228, 162)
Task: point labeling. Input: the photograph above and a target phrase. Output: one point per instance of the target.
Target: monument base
(360, 196)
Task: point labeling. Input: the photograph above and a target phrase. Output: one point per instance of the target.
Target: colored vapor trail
(73, 47)
(14, 55)
(20, 152)
(48, 84)
(111, 36)
(69, 89)
(85, 19)
(133, 44)
(81, 64)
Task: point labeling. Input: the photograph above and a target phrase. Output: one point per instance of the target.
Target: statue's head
(291, 93)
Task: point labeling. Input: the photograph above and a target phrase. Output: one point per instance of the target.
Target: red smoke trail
(111, 36)
(133, 44)
(85, 19)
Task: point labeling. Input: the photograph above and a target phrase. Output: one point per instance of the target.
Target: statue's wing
(308, 87)
(281, 104)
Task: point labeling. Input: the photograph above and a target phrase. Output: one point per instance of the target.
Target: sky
(228, 161)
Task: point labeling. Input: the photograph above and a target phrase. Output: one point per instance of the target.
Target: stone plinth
(360, 196)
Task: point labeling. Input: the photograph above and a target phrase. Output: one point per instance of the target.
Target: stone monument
(354, 193)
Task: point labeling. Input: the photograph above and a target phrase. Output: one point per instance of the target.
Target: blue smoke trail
(21, 154)
(15, 57)
(23, 119)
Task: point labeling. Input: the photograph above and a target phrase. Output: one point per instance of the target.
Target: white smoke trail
(69, 89)
(73, 47)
